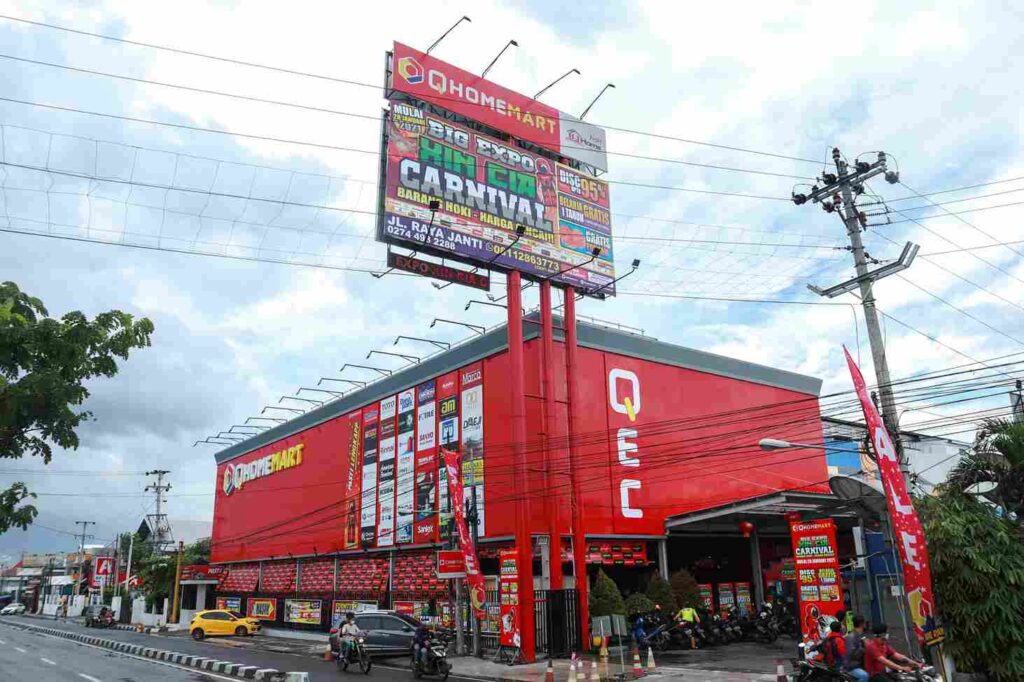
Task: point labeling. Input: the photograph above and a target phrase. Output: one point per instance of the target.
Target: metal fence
(557, 621)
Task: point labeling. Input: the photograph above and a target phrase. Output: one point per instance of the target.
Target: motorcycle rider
(639, 633)
(854, 661)
(349, 632)
(834, 646)
(421, 645)
(688, 614)
(880, 656)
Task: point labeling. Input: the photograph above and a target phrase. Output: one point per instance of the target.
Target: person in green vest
(688, 614)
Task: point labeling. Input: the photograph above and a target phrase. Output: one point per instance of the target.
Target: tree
(997, 455)
(685, 589)
(605, 598)
(158, 570)
(977, 563)
(44, 363)
(637, 604)
(660, 592)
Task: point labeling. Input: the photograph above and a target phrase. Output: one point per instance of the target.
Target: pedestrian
(854, 661)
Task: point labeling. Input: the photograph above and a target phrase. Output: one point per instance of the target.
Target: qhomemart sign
(237, 475)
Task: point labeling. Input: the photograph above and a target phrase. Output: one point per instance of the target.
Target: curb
(247, 672)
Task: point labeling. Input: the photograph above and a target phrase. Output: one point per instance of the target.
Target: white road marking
(2, 642)
(18, 648)
(88, 677)
(46, 660)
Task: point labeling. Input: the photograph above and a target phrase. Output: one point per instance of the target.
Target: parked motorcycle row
(714, 629)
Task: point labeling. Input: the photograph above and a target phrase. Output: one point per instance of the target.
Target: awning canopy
(767, 512)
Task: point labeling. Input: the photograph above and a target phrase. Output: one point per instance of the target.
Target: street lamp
(475, 327)
(411, 359)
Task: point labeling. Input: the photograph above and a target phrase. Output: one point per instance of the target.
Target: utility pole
(838, 195)
(176, 603)
(474, 518)
(161, 529)
(81, 552)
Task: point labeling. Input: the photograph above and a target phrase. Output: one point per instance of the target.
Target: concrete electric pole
(81, 552)
(160, 527)
(838, 194)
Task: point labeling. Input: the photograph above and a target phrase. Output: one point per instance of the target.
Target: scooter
(356, 655)
(437, 659)
(660, 638)
(924, 674)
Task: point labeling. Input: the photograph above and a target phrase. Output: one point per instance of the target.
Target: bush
(637, 604)
(605, 598)
(685, 589)
(660, 592)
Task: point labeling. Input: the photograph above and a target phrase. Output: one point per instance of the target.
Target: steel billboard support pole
(547, 372)
(579, 561)
(524, 546)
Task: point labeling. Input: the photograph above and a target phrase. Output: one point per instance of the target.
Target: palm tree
(997, 456)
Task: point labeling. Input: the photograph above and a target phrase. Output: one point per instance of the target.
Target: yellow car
(222, 622)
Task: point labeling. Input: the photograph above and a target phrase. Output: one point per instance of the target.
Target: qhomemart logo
(237, 475)
(410, 70)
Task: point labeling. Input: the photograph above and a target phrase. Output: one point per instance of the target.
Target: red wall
(695, 436)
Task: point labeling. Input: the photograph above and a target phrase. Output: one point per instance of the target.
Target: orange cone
(549, 675)
(650, 661)
(780, 672)
(594, 675)
(638, 671)
(328, 655)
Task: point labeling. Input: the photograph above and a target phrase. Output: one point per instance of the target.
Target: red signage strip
(917, 572)
(445, 273)
(474, 578)
(508, 587)
(450, 564)
(817, 573)
(431, 80)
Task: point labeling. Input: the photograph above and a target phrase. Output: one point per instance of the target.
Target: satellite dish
(981, 488)
(863, 493)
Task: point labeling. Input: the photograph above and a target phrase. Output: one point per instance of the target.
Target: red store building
(345, 504)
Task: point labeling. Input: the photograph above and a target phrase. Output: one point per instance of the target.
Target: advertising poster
(304, 611)
(817, 572)
(508, 591)
(450, 564)
(406, 470)
(368, 498)
(707, 597)
(353, 451)
(726, 599)
(474, 578)
(425, 529)
(264, 609)
(472, 442)
(386, 480)
(743, 604)
(447, 437)
(229, 603)
(339, 608)
(487, 187)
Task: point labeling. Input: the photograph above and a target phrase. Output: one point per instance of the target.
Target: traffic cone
(638, 670)
(549, 675)
(328, 655)
(780, 672)
(650, 661)
(594, 675)
(572, 670)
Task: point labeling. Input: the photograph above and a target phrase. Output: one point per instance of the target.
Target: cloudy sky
(931, 84)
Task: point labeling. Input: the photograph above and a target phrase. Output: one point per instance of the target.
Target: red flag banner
(917, 575)
(474, 578)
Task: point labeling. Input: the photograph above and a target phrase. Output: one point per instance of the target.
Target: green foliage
(605, 598)
(637, 604)
(44, 364)
(660, 592)
(997, 455)
(157, 571)
(977, 563)
(685, 589)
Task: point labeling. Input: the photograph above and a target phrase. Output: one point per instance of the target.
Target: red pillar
(579, 545)
(547, 375)
(524, 545)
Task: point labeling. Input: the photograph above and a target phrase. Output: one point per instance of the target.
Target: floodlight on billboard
(484, 188)
(431, 80)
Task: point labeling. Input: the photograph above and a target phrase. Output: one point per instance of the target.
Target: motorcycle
(660, 638)
(924, 674)
(807, 671)
(355, 654)
(765, 629)
(689, 635)
(437, 659)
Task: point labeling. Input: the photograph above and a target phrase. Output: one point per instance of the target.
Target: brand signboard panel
(817, 573)
(353, 451)
(386, 478)
(368, 492)
(406, 466)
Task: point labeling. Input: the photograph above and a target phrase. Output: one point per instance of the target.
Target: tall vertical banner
(508, 590)
(917, 574)
(386, 480)
(474, 578)
(471, 382)
(425, 528)
(353, 452)
(817, 573)
(368, 498)
(447, 438)
(406, 467)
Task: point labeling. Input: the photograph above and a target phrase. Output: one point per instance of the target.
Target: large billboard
(429, 79)
(485, 189)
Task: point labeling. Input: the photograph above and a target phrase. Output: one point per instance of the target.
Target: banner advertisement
(447, 437)
(264, 609)
(103, 572)
(450, 564)
(508, 589)
(425, 528)
(474, 578)
(726, 599)
(906, 526)
(199, 572)
(229, 603)
(406, 471)
(445, 273)
(472, 443)
(487, 188)
(305, 611)
(429, 79)
(817, 573)
(340, 608)
(353, 451)
(386, 479)
(707, 597)
(368, 499)
(743, 598)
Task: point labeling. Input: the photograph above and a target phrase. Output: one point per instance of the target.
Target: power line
(970, 248)
(950, 190)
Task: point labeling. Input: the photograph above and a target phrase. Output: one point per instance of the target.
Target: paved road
(38, 658)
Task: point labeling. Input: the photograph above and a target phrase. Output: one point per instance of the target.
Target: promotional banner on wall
(707, 597)
(229, 603)
(488, 188)
(386, 483)
(264, 609)
(304, 611)
(448, 438)
(726, 598)
(353, 451)
(406, 471)
(425, 529)
(472, 444)
(817, 573)
(743, 598)
(474, 578)
(917, 574)
(368, 499)
(508, 590)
